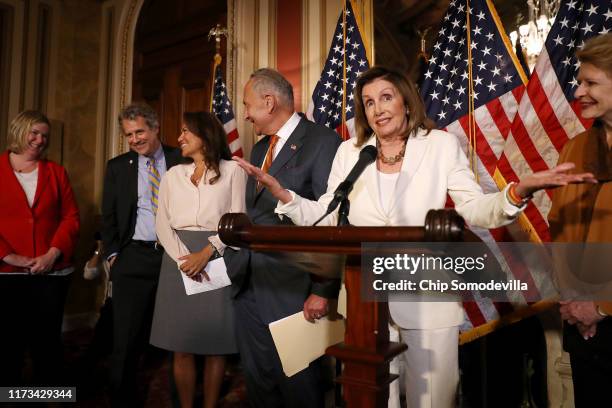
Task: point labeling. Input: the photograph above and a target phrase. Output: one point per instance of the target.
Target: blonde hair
(20, 128)
(597, 51)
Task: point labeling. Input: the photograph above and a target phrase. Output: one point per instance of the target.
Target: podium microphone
(367, 155)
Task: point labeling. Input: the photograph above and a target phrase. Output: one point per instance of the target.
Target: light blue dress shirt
(145, 217)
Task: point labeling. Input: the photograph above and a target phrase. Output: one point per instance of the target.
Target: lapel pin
(131, 161)
(293, 147)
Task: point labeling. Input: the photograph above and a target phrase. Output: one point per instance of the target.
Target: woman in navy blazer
(39, 224)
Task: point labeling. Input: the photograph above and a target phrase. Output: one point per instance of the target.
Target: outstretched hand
(556, 177)
(266, 180)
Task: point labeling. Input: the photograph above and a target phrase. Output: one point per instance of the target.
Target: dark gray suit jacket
(120, 197)
(281, 285)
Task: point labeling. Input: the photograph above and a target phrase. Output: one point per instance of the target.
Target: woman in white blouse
(415, 169)
(192, 199)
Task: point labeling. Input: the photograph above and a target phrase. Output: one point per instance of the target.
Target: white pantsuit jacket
(434, 164)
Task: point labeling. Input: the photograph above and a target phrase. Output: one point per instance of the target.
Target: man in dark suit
(128, 208)
(271, 286)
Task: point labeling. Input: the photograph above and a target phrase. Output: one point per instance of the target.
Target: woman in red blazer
(39, 224)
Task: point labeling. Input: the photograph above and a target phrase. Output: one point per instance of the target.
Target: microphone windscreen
(368, 153)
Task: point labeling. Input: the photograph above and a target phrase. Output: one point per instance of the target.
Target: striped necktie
(154, 180)
(269, 157)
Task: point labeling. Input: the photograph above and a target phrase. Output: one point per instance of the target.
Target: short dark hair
(417, 118)
(207, 127)
(136, 109)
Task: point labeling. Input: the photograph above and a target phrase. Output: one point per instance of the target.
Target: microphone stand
(343, 212)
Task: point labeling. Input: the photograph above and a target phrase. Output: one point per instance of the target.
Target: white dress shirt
(184, 206)
(285, 131)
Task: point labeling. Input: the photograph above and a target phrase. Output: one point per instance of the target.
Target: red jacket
(53, 219)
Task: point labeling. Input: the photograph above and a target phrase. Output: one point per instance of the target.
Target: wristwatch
(215, 253)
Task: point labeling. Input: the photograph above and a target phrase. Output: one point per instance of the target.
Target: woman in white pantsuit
(416, 168)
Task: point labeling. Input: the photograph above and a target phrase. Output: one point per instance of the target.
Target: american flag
(222, 108)
(548, 116)
(345, 62)
(476, 72)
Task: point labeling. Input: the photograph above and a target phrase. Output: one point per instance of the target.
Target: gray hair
(269, 80)
(135, 109)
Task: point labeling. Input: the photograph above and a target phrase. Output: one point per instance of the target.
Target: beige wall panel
(254, 39)
(312, 47)
(320, 18)
(105, 131)
(74, 102)
(16, 68)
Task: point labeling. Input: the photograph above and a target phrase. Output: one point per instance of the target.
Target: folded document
(300, 342)
(216, 271)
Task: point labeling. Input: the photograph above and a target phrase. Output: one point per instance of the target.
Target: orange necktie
(269, 157)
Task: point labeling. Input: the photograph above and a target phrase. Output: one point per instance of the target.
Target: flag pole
(217, 32)
(508, 319)
(343, 128)
(360, 20)
(471, 119)
(423, 51)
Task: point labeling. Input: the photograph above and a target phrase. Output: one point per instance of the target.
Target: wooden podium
(366, 350)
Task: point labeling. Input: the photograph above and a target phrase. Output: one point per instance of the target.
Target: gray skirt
(199, 324)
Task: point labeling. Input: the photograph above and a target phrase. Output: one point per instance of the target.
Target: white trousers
(430, 367)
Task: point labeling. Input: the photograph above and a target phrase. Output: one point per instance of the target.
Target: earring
(407, 111)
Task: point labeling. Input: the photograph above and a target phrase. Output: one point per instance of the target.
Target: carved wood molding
(127, 29)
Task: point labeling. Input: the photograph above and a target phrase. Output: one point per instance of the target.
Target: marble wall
(75, 103)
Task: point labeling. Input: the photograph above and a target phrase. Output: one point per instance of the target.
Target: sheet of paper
(300, 342)
(217, 272)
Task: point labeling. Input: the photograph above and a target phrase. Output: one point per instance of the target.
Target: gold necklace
(393, 159)
(195, 179)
